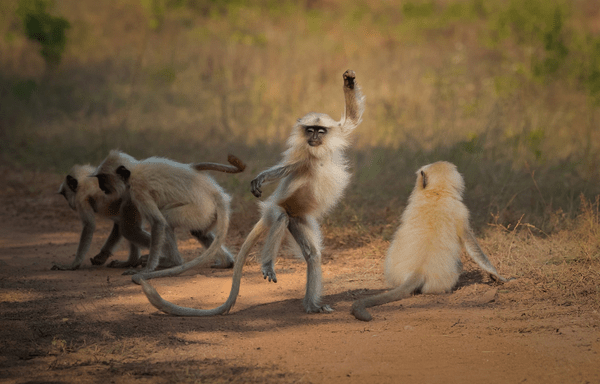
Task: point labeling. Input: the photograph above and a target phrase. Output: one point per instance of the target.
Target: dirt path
(95, 326)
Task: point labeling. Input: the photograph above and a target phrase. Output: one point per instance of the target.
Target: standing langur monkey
(313, 176)
(86, 198)
(168, 194)
(425, 252)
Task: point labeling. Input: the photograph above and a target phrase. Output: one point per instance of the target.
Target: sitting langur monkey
(168, 194)
(85, 197)
(313, 176)
(425, 252)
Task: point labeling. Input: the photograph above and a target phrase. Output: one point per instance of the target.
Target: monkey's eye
(310, 129)
(322, 130)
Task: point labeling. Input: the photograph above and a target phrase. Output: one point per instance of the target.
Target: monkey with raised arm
(425, 252)
(168, 194)
(313, 175)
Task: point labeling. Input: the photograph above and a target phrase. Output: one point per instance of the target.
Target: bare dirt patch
(95, 326)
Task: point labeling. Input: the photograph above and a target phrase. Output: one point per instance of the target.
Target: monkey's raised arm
(474, 251)
(85, 240)
(355, 102)
(267, 176)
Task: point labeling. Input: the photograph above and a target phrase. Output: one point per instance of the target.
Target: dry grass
(196, 81)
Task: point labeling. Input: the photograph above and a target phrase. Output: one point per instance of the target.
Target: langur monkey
(167, 194)
(313, 176)
(425, 252)
(85, 197)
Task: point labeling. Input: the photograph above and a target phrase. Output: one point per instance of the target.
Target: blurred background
(508, 90)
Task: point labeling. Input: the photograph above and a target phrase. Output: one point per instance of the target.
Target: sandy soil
(95, 326)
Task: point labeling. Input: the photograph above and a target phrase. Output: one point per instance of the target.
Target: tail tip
(235, 161)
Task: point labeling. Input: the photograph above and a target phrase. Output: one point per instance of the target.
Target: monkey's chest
(300, 202)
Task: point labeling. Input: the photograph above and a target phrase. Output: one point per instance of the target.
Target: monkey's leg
(109, 246)
(85, 240)
(172, 256)
(157, 239)
(475, 252)
(225, 258)
(272, 245)
(359, 307)
(308, 237)
(137, 238)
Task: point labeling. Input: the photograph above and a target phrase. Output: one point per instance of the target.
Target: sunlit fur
(311, 181)
(425, 252)
(170, 194)
(428, 240)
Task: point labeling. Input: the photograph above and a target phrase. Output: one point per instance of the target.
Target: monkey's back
(427, 242)
(182, 194)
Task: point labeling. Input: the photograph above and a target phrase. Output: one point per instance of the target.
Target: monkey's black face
(104, 183)
(315, 135)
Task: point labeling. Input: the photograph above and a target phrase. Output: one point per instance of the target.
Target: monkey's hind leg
(225, 259)
(359, 307)
(272, 245)
(307, 235)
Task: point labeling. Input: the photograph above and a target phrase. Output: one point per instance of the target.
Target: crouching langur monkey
(168, 194)
(85, 197)
(313, 175)
(425, 252)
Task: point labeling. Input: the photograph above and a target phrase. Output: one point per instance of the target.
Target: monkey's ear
(72, 183)
(123, 172)
(424, 176)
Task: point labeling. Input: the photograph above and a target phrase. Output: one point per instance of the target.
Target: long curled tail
(236, 166)
(359, 307)
(172, 309)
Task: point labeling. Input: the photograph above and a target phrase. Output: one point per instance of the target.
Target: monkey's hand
(255, 186)
(101, 258)
(500, 279)
(60, 267)
(349, 77)
(360, 312)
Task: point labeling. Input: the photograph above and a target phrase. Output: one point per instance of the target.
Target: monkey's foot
(318, 309)
(100, 258)
(360, 312)
(123, 264)
(223, 264)
(60, 267)
(130, 272)
(349, 77)
(269, 272)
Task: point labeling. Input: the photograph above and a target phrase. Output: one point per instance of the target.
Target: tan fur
(425, 252)
(171, 194)
(312, 179)
(88, 200)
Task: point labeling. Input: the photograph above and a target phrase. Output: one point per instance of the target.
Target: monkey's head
(113, 173)
(318, 134)
(73, 182)
(440, 176)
